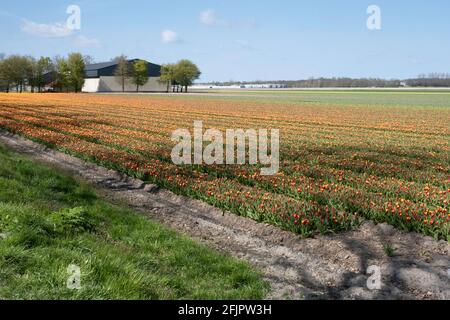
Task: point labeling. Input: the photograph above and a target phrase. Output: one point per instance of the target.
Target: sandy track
(326, 267)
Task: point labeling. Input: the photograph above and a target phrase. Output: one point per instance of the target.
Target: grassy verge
(49, 221)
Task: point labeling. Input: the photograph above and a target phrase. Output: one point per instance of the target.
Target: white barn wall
(91, 85)
(111, 84)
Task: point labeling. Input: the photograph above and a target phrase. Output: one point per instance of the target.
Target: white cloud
(169, 36)
(209, 18)
(55, 30)
(83, 41)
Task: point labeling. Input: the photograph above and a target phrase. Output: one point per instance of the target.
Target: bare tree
(123, 70)
(88, 59)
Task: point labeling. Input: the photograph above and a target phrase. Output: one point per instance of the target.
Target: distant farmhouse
(100, 78)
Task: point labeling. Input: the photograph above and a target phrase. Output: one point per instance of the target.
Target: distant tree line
(430, 80)
(343, 83)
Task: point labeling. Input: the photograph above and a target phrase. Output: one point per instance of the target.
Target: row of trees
(183, 73)
(346, 83)
(322, 83)
(20, 72)
(430, 80)
(68, 73)
(137, 73)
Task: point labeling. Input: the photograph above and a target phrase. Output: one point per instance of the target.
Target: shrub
(74, 220)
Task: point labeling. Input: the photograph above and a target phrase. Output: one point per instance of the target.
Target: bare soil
(324, 267)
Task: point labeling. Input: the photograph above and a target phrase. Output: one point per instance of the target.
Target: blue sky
(242, 40)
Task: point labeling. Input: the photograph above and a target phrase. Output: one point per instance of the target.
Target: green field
(385, 97)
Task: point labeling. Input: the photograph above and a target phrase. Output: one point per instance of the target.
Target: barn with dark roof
(100, 77)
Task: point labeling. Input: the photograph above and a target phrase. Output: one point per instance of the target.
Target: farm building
(100, 78)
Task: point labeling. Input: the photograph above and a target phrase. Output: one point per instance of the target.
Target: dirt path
(326, 267)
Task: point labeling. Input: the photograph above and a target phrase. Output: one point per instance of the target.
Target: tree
(3, 80)
(76, 66)
(88, 59)
(24, 70)
(168, 74)
(10, 72)
(30, 67)
(43, 66)
(15, 71)
(62, 73)
(186, 72)
(140, 74)
(122, 72)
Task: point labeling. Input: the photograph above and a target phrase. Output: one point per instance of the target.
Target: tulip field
(340, 163)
